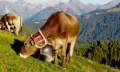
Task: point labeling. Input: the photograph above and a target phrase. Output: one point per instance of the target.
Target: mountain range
(20, 7)
(41, 11)
(109, 4)
(101, 24)
(74, 7)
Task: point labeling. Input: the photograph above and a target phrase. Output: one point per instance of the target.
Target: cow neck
(39, 39)
(45, 31)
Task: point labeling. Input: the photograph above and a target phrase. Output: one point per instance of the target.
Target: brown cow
(2, 25)
(12, 22)
(60, 31)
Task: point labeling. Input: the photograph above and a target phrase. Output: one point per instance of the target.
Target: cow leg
(8, 27)
(17, 28)
(16, 31)
(64, 55)
(55, 57)
(70, 53)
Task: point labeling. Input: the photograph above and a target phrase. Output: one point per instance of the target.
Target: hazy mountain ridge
(74, 7)
(4, 6)
(28, 10)
(110, 4)
(21, 7)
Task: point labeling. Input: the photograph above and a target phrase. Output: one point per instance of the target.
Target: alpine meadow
(96, 49)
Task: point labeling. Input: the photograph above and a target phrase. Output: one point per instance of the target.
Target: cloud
(53, 1)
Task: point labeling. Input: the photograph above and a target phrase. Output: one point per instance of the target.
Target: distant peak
(76, 1)
(115, 1)
(117, 6)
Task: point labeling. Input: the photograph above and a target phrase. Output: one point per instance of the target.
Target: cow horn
(32, 42)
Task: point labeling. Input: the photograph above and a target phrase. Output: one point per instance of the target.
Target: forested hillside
(104, 52)
(100, 25)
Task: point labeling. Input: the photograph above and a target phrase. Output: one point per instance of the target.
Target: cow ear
(32, 42)
(29, 35)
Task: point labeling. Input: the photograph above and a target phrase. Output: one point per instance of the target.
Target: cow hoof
(63, 65)
(64, 68)
(55, 63)
(16, 34)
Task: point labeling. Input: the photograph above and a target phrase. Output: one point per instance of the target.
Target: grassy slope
(11, 62)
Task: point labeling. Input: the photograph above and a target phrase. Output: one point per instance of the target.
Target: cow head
(28, 48)
(2, 25)
(32, 44)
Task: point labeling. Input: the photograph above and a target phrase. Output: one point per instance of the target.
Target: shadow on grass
(36, 54)
(17, 46)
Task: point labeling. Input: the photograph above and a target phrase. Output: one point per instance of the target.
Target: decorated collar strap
(39, 39)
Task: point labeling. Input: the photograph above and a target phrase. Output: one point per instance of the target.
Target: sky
(56, 1)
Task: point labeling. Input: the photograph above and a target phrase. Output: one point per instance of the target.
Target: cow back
(61, 24)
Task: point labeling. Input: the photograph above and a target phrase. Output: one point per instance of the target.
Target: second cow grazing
(12, 22)
(60, 31)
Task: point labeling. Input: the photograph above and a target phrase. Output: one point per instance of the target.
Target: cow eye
(25, 44)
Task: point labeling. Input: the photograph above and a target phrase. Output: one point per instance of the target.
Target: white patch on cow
(59, 41)
(23, 56)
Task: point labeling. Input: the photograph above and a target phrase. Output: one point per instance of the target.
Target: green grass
(11, 62)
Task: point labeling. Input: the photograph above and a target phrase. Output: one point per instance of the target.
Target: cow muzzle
(23, 56)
